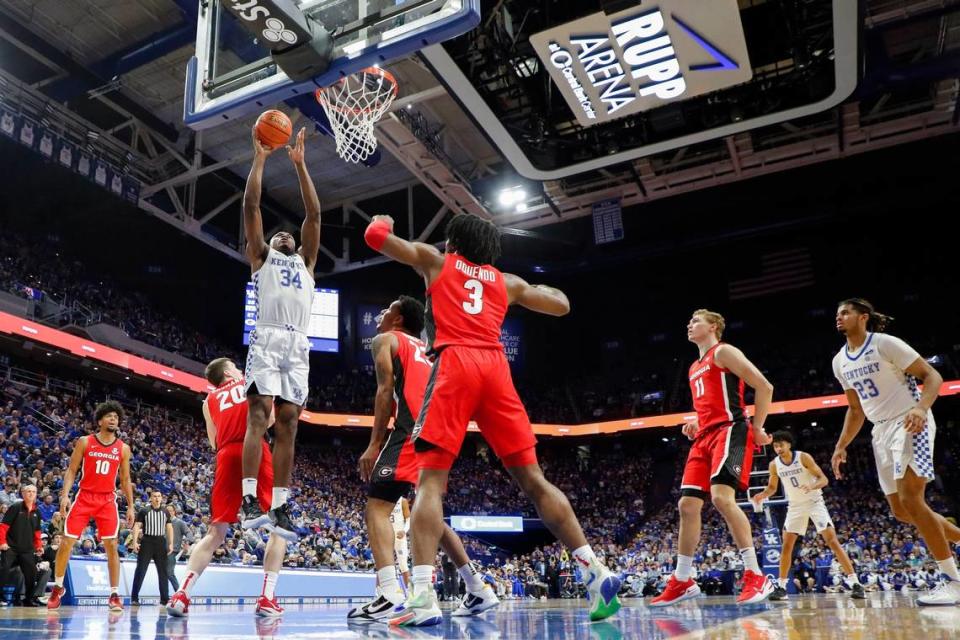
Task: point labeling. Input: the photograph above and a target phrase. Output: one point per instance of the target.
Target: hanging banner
(511, 337)
(366, 319)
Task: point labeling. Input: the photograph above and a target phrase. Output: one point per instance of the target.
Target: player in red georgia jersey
(101, 456)
(721, 457)
(225, 414)
(390, 467)
(467, 300)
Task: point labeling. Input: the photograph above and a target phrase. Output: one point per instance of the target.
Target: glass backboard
(232, 74)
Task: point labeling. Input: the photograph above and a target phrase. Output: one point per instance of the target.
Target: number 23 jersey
(877, 372)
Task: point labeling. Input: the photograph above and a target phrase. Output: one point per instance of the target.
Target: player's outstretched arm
(811, 465)
(425, 258)
(310, 229)
(772, 483)
(852, 423)
(211, 427)
(916, 418)
(125, 483)
(76, 459)
(536, 297)
(252, 220)
(732, 359)
(384, 347)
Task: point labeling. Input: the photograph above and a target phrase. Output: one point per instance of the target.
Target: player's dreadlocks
(474, 238)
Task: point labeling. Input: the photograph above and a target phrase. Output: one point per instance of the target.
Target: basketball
(274, 128)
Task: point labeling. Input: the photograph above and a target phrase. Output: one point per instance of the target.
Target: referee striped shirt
(154, 522)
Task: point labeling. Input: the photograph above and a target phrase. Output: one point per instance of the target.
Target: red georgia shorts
(466, 384)
(102, 507)
(722, 455)
(227, 494)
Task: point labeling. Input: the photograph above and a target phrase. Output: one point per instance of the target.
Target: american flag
(779, 271)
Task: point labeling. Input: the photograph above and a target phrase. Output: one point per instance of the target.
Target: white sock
(270, 584)
(59, 581)
(949, 567)
(782, 583)
(387, 579)
(280, 495)
(250, 487)
(585, 556)
(190, 580)
(684, 568)
(852, 579)
(422, 578)
(114, 591)
(471, 577)
(749, 556)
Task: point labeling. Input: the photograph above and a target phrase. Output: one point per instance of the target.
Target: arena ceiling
(112, 74)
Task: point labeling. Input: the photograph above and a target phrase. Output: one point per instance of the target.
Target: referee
(156, 544)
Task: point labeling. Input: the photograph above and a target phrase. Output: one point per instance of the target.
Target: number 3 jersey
(466, 305)
(284, 292)
(877, 372)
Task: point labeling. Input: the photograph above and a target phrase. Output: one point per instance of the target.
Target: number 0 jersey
(877, 372)
(283, 288)
(795, 475)
(466, 305)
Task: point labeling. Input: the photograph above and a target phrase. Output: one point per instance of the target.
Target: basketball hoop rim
(321, 97)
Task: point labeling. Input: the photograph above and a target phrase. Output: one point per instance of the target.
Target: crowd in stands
(633, 377)
(609, 485)
(39, 269)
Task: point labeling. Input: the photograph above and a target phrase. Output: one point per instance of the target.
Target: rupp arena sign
(612, 66)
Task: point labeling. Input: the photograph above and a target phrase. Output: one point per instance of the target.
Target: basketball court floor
(880, 617)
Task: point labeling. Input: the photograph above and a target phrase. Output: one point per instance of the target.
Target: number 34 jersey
(466, 305)
(877, 372)
(284, 292)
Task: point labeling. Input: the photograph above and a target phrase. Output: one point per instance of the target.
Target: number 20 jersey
(466, 305)
(227, 405)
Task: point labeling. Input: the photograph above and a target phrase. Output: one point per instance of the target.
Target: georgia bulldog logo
(386, 471)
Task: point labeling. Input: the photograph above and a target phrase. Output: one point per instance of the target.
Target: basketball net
(353, 106)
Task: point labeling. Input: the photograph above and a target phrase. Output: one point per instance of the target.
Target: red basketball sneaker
(115, 604)
(54, 601)
(676, 591)
(756, 588)
(268, 608)
(179, 605)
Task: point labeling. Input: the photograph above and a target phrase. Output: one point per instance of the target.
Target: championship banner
(613, 66)
(366, 319)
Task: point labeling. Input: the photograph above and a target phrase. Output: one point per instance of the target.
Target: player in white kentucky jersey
(803, 483)
(400, 519)
(278, 358)
(879, 375)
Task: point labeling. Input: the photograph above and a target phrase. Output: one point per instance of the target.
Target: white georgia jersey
(795, 475)
(396, 517)
(877, 372)
(284, 292)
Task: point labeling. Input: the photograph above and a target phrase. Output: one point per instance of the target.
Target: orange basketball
(274, 128)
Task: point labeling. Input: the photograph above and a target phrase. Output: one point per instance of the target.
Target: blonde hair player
(721, 457)
(803, 483)
(879, 375)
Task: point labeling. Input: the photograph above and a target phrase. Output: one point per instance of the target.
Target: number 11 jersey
(466, 305)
